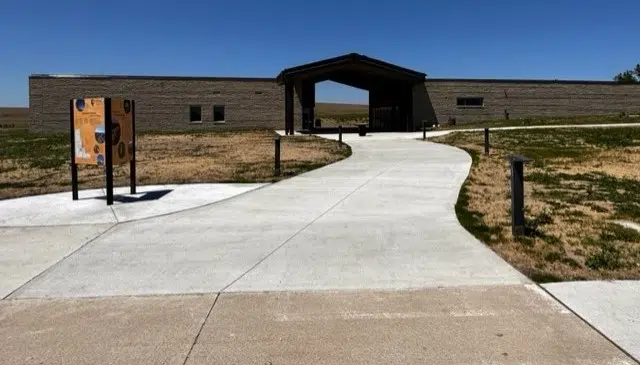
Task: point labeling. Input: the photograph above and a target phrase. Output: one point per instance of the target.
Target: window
(195, 114)
(218, 113)
(473, 102)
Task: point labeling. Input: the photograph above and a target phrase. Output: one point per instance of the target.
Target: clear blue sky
(564, 39)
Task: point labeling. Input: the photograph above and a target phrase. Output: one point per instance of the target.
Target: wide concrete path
(610, 306)
(91, 208)
(459, 325)
(305, 271)
(382, 219)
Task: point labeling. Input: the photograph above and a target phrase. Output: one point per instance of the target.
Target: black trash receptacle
(362, 129)
(318, 123)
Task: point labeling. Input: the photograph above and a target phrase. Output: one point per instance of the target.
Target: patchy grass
(536, 121)
(579, 181)
(38, 163)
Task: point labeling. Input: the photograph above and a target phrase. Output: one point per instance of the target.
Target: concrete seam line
(590, 325)
(307, 226)
(59, 261)
(114, 214)
(206, 318)
(200, 206)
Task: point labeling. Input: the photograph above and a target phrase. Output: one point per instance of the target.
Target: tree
(629, 76)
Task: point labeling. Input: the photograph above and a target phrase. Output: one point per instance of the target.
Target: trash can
(318, 123)
(362, 129)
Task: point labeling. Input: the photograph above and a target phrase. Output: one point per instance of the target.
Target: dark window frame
(193, 113)
(217, 110)
(470, 102)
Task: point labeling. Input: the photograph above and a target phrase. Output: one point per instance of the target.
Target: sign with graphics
(89, 131)
(122, 136)
(103, 134)
(88, 128)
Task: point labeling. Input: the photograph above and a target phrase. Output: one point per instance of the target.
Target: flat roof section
(147, 77)
(529, 81)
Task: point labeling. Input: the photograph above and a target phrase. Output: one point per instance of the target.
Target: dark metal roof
(349, 59)
(147, 77)
(529, 81)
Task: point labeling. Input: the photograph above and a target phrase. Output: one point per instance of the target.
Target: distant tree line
(629, 76)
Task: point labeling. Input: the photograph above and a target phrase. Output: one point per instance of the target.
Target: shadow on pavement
(146, 196)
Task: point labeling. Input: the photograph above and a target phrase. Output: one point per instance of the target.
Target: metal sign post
(108, 150)
(132, 163)
(74, 166)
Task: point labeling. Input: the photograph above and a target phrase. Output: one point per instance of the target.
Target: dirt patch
(578, 183)
(163, 159)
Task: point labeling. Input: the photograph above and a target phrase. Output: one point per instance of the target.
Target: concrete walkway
(90, 208)
(382, 219)
(360, 262)
(457, 325)
(610, 306)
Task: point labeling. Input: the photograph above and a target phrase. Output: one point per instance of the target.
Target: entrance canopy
(353, 69)
(390, 89)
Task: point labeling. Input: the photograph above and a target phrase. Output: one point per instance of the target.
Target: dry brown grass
(581, 184)
(14, 117)
(182, 158)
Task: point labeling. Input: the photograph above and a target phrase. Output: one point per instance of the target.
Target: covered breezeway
(390, 90)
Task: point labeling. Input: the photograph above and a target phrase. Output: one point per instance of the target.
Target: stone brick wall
(162, 103)
(530, 98)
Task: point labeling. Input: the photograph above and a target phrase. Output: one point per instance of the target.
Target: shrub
(608, 258)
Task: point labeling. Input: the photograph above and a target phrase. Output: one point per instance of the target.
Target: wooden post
(74, 166)
(108, 149)
(340, 135)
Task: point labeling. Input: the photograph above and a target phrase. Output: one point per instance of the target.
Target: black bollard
(424, 130)
(486, 140)
(277, 157)
(340, 135)
(517, 194)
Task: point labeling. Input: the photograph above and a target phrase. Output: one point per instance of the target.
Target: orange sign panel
(89, 129)
(88, 125)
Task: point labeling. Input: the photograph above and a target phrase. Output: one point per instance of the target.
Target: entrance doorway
(390, 90)
(339, 105)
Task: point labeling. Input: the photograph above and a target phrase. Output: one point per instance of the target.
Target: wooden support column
(288, 108)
